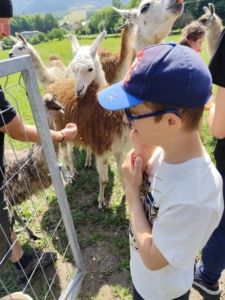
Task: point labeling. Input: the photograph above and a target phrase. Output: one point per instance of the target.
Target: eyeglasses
(130, 117)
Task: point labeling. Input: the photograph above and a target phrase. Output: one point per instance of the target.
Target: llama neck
(212, 35)
(41, 71)
(100, 74)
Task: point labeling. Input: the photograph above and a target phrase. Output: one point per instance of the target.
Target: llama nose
(10, 55)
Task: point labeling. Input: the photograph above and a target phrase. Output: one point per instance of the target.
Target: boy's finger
(137, 165)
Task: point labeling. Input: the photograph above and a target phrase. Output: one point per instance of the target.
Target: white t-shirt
(184, 204)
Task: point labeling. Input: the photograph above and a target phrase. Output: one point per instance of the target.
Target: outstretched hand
(70, 131)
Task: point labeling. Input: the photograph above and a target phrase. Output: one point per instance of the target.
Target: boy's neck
(183, 147)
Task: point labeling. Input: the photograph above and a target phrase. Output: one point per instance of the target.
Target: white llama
(154, 20)
(86, 66)
(213, 26)
(55, 69)
(87, 69)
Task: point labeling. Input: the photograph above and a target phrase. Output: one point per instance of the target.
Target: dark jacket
(6, 10)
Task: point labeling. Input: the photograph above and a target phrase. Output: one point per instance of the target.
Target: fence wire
(36, 192)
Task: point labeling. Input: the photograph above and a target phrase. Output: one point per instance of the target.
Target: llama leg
(88, 158)
(102, 167)
(119, 160)
(66, 150)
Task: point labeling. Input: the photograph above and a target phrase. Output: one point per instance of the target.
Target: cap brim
(114, 97)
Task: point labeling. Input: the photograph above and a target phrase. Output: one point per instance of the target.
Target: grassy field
(75, 16)
(103, 236)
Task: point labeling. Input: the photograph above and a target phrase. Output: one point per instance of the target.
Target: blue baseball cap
(167, 74)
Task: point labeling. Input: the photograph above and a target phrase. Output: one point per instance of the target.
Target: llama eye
(145, 8)
(90, 69)
(21, 48)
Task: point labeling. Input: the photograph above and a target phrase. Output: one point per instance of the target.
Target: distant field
(75, 16)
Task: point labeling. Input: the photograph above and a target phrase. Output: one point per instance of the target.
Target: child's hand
(132, 171)
(143, 151)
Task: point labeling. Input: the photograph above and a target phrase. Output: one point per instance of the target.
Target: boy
(163, 95)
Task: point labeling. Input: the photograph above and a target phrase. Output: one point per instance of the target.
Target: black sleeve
(217, 62)
(7, 112)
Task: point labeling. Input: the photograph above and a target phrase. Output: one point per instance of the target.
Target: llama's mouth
(176, 7)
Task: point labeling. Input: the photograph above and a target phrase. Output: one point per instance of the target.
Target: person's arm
(22, 132)
(216, 120)
(132, 174)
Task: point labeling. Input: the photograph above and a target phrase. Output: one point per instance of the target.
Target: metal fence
(63, 279)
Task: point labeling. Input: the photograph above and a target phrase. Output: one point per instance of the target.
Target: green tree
(41, 37)
(34, 40)
(58, 33)
(117, 3)
(38, 22)
(49, 23)
(50, 35)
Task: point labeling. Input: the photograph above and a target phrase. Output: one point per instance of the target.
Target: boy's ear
(173, 121)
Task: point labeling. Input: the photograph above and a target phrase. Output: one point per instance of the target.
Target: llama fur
(26, 173)
(213, 26)
(55, 69)
(104, 132)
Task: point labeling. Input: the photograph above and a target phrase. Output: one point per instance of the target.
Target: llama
(55, 69)
(87, 69)
(115, 65)
(102, 131)
(213, 26)
(154, 20)
(31, 166)
(86, 66)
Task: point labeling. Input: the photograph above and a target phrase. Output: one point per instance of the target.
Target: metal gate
(74, 270)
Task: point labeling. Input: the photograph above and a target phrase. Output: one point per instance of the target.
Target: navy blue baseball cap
(167, 74)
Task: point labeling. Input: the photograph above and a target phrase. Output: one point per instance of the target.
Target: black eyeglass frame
(130, 117)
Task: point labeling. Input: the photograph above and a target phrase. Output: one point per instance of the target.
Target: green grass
(75, 16)
(108, 230)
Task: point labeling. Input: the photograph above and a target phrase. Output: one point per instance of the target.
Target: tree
(38, 22)
(41, 37)
(105, 18)
(183, 20)
(49, 23)
(117, 3)
(50, 36)
(58, 33)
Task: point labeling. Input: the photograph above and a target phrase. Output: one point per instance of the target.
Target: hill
(51, 6)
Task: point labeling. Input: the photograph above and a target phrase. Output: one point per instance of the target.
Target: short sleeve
(181, 231)
(7, 112)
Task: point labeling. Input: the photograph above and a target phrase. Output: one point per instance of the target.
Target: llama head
(86, 65)
(52, 104)
(154, 19)
(209, 18)
(21, 46)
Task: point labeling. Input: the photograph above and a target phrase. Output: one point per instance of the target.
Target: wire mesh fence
(33, 185)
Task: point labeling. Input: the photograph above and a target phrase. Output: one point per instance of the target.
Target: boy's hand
(132, 172)
(70, 131)
(143, 151)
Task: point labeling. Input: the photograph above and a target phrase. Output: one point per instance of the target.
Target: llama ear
(14, 39)
(74, 43)
(96, 43)
(206, 10)
(211, 8)
(129, 14)
(21, 37)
